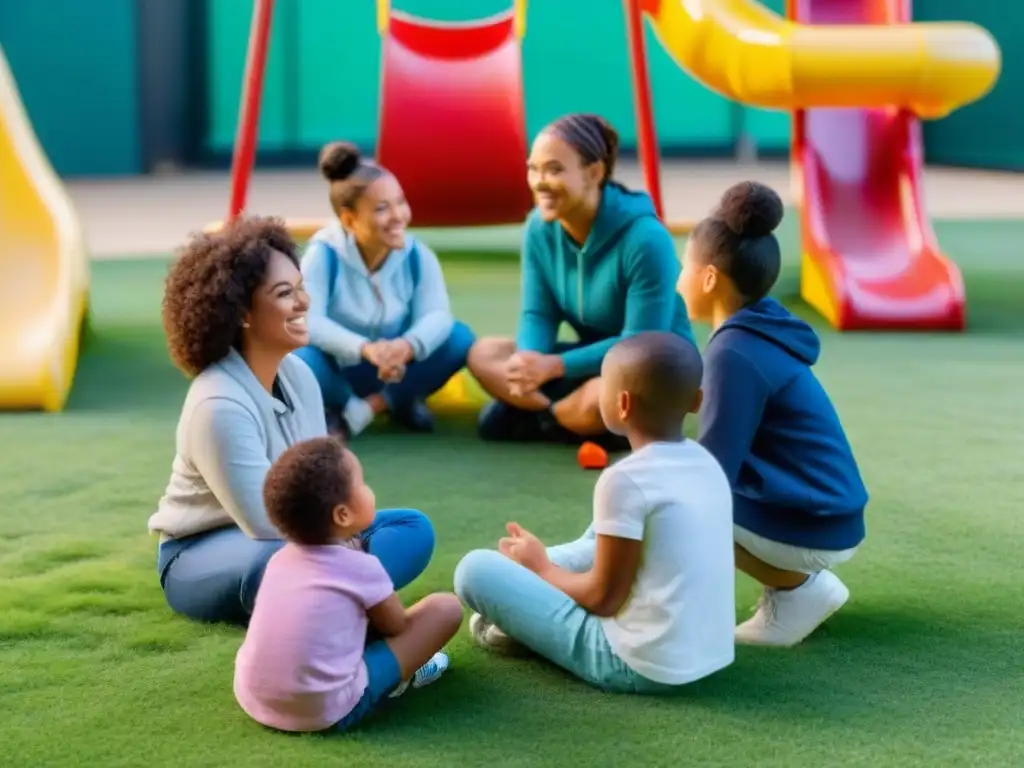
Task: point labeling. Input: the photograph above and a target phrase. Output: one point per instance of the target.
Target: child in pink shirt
(306, 663)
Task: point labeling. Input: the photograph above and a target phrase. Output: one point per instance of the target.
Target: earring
(245, 325)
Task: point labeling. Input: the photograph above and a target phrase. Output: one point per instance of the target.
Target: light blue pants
(546, 620)
(422, 377)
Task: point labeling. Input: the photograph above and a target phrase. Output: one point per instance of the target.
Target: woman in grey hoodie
(382, 334)
(234, 309)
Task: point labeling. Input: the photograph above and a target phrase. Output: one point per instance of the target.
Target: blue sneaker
(429, 673)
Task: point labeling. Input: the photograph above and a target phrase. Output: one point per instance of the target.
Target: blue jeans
(422, 377)
(547, 621)
(214, 576)
(384, 673)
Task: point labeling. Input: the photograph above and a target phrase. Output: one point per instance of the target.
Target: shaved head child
(643, 602)
(654, 383)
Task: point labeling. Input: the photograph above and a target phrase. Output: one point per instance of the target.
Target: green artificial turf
(925, 665)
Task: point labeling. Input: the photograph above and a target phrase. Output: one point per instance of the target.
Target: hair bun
(751, 209)
(339, 160)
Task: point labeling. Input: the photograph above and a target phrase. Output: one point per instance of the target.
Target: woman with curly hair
(383, 336)
(234, 309)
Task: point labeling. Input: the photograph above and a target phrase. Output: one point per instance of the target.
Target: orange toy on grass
(592, 456)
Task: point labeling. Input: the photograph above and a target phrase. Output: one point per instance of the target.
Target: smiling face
(277, 320)
(558, 177)
(380, 216)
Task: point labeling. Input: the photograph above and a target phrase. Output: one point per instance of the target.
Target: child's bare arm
(601, 589)
(619, 514)
(388, 616)
(605, 588)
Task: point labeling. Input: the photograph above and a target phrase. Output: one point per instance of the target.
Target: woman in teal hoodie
(595, 256)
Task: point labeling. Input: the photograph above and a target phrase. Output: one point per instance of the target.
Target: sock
(802, 583)
(357, 414)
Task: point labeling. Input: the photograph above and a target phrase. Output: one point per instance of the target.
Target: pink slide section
(870, 257)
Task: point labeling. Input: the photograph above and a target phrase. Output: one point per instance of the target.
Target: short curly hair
(210, 286)
(303, 487)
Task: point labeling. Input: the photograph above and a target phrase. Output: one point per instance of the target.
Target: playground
(919, 669)
(910, 275)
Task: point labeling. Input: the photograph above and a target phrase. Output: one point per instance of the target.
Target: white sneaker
(786, 617)
(358, 415)
(490, 637)
(425, 675)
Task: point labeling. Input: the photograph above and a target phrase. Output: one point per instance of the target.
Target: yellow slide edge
(753, 56)
(44, 267)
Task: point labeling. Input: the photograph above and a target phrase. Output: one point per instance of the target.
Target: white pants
(787, 557)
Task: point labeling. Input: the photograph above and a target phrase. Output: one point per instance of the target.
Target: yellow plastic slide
(44, 268)
(751, 55)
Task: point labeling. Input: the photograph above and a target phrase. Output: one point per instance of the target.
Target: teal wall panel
(990, 132)
(228, 24)
(76, 68)
(567, 69)
(339, 72)
(769, 129)
(457, 10)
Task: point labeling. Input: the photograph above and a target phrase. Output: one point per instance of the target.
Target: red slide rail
(244, 156)
(646, 136)
(648, 152)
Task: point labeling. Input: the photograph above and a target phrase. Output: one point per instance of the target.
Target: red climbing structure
(452, 121)
(871, 258)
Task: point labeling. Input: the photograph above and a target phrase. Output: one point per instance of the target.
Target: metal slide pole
(249, 108)
(646, 137)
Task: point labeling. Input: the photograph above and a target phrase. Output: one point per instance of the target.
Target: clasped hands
(526, 372)
(389, 357)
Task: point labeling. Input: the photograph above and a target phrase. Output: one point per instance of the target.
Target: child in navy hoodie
(798, 498)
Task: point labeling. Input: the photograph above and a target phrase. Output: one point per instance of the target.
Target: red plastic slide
(452, 123)
(871, 259)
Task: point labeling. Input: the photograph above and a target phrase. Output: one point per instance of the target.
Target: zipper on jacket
(380, 303)
(579, 284)
(379, 296)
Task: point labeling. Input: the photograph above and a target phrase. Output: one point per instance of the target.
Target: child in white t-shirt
(644, 601)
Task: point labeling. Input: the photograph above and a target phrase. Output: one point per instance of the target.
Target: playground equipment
(462, 158)
(857, 75)
(44, 267)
